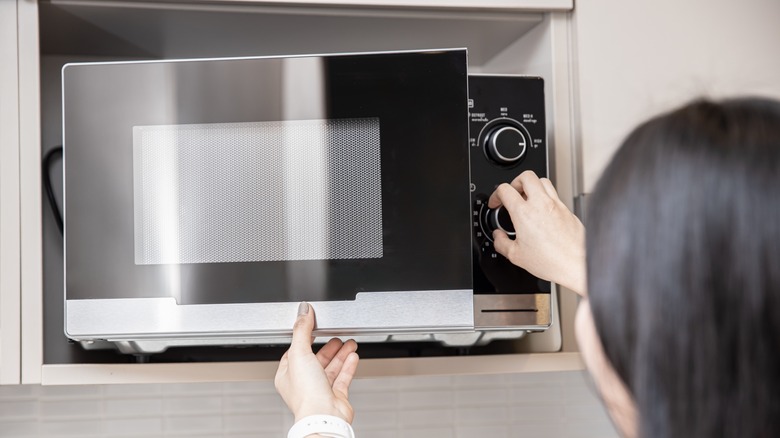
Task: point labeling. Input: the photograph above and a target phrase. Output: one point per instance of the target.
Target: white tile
(480, 381)
(425, 382)
(287, 419)
(71, 392)
(593, 429)
(14, 392)
(133, 427)
(18, 409)
(392, 433)
(541, 430)
(443, 432)
(575, 377)
(547, 378)
(146, 390)
(267, 434)
(375, 420)
(65, 409)
(132, 407)
(427, 399)
(379, 384)
(55, 428)
(253, 403)
(193, 388)
(482, 397)
(364, 401)
(580, 393)
(584, 411)
(249, 387)
(253, 423)
(537, 393)
(193, 424)
(535, 412)
(482, 432)
(559, 405)
(486, 415)
(425, 417)
(193, 405)
(19, 428)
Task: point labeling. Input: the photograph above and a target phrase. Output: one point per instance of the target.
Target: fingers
(525, 185)
(346, 374)
(503, 244)
(505, 195)
(549, 188)
(304, 325)
(333, 369)
(281, 371)
(530, 184)
(328, 351)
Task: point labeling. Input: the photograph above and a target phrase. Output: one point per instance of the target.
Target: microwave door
(205, 198)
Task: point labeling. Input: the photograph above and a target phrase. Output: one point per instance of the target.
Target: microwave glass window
(257, 191)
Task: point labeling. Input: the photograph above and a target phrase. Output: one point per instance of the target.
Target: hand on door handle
(316, 384)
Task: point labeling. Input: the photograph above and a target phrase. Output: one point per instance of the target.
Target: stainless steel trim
(465, 339)
(237, 58)
(504, 312)
(373, 313)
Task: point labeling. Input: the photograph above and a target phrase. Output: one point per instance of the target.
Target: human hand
(549, 240)
(316, 384)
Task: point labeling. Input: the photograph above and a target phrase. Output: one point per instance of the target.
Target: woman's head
(683, 244)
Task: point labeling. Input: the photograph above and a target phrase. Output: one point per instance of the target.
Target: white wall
(638, 58)
(560, 405)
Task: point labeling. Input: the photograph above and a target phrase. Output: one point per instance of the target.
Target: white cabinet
(636, 59)
(503, 36)
(9, 197)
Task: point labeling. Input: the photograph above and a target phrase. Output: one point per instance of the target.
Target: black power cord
(48, 159)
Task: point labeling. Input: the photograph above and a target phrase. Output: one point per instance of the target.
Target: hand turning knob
(498, 219)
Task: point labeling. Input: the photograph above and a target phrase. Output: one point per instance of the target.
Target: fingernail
(303, 308)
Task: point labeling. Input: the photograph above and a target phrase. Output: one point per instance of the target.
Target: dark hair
(683, 244)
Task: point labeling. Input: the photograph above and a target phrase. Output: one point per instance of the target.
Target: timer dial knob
(505, 144)
(498, 219)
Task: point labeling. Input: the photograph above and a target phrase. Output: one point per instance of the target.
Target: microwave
(205, 198)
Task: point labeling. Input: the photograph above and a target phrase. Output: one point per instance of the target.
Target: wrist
(319, 409)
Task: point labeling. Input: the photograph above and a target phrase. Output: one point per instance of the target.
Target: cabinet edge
(264, 371)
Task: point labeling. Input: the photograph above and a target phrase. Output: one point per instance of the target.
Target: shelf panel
(247, 371)
(207, 30)
(515, 5)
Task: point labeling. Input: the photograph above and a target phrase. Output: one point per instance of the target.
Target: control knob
(498, 219)
(505, 144)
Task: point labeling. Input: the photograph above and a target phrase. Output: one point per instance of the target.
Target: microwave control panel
(507, 136)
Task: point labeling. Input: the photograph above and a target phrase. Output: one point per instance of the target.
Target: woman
(679, 324)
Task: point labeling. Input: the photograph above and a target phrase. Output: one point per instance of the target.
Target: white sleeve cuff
(323, 425)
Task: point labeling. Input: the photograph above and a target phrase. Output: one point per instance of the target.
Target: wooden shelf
(248, 371)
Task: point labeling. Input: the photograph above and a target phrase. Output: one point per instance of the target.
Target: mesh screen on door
(258, 191)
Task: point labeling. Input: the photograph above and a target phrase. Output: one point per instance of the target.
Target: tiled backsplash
(559, 405)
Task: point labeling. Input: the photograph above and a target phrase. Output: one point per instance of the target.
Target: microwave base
(496, 317)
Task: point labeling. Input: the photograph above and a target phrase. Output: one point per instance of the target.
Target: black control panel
(507, 135)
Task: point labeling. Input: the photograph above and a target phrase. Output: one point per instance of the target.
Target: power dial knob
(497, 219)
(505, 144)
